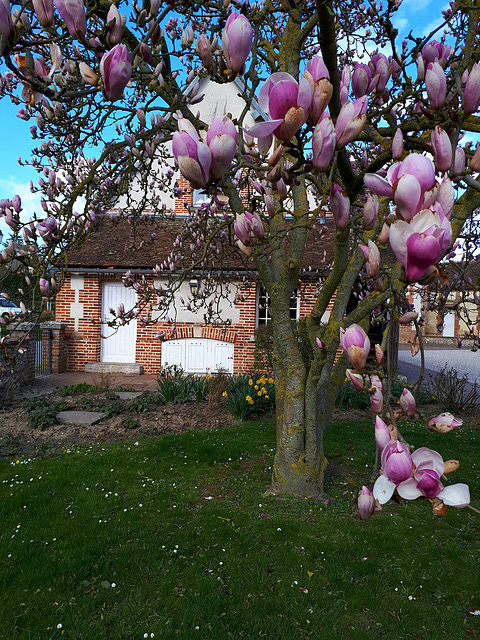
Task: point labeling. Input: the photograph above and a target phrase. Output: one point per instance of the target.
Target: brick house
(93, 286)
(461, 315)
(93, 283)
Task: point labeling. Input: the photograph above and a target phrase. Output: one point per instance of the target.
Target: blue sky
(421, 16)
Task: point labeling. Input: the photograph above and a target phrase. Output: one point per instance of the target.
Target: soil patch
(19, 438)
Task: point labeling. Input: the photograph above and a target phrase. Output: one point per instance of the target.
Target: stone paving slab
(128, 395)
(79, 417)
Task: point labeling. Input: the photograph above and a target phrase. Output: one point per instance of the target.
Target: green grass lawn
(174, 538)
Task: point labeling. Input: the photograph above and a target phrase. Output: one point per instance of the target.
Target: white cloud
(431, 26)
(401, 24)
(10, 187)
(414, 5)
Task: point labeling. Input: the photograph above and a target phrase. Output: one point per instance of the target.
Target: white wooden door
(118, 344)
(449, 325)
(198, 355)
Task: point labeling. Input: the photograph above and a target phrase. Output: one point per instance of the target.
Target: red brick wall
(84, 345)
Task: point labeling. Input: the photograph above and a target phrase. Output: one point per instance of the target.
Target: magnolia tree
(357, 123)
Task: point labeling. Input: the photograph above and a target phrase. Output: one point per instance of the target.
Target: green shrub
(113, 409)
(41, 413)
(248, 396)
(90, 403)
(143, 403)
(129, 422)
(199, 388)
(183, 388)
(453, 393)
(82, 387)
(349, 398)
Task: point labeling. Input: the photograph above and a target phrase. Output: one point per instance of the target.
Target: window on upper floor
(263, 307)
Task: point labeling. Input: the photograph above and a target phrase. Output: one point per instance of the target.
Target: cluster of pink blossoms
(412, 475)
(422, 233)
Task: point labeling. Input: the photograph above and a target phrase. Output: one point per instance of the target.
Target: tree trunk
(303, 410)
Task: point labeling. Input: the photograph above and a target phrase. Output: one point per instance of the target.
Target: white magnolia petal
(425, 219)
(383, 489)
(408, 489)
(455, 495)
(400, 231)
(425, 458)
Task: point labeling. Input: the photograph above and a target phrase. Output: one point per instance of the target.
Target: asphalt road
(463, 360)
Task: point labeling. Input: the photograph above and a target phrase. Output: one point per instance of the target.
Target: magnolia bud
(379, 355)
(408, 317)
(450, 466)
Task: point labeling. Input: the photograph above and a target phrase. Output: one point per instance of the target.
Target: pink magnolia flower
(116, 71)
(459, 162)
(361, 80)
(237, 41)
(339, 206)
(356, 344)
(116, 22)
(247, 225)
(73, 14)
(372, 256)
(365, 503)
(350, 121)
(380, 69)
(356, 379)
(442, 149)
(435, 50)
(222, 142)
(6, 24)
(44, 12)
(411, 184)
(407, 403)
(429, 468)
(204, 51)
(323, 143)
(379, 354)
(436, 84)
(318, 76)
(419, 244)
(44, 287)
(240, 226)
(376, 397)
(396, 461)
(443, 423)
(286, 102)
(471, 93)
(370, 212)
(382, 433)
(397, 145)
(193, 156)
(397, 466)
(200, 161)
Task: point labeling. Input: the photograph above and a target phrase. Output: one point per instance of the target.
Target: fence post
(58, 347)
